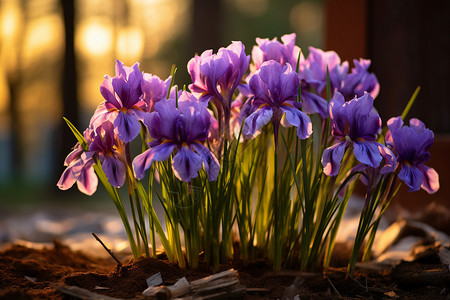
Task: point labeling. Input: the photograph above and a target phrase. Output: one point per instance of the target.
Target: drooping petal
(144, 161)
(114, 170)
(430, 179)
(312, 103)
(332, 157)
(67, 179)
(74, 154)
(390, 161)
(367, 153)
(210, 162)
(128, 127)
(186, 164)
(81, 172)
(256, 120)
(298, 119)
(87, 181)
(412, 176)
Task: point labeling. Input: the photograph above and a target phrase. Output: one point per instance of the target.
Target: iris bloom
(274, 50)
(273, 91)
(411, 145)
(79, 169)
(184, 130)
(360, 81)
(154, 89)
(313, 75)
(123, 105)
(111, 152)
(354, 123)
(215, 77)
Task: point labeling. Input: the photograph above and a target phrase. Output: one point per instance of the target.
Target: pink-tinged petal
(67, 179)
(210, 162)
(298, 119)
(103, 114)
(114, 170)
(87, 181)
(107, 91)
(367, 153)
(256, 120)
(395, 123)
(74, 154)
(128, 127)
(332, 157)
(186, 164)
(412, 176)
(430, 180)
(81, 172)
(120, 69)
(390, 161)
(144, 161)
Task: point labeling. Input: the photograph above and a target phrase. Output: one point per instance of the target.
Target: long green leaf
(80, 138)
(410, 103)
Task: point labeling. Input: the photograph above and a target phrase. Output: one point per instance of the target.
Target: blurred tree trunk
(206, 31)
(69, 85)
(14, 78)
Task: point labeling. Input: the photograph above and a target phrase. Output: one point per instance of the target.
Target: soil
(27, 273)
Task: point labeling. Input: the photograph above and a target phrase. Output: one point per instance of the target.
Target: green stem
(276, 218)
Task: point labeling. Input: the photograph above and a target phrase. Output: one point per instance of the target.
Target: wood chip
(154, 280)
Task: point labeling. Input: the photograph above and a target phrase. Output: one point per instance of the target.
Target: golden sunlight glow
(43, 37)
(9, 20)
(95, 37)
(306, 17)
(252, 8)
(130, 44)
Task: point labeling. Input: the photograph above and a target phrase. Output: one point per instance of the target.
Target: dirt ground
(27, 273)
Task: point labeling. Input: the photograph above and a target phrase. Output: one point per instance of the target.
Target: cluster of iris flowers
(228, 172)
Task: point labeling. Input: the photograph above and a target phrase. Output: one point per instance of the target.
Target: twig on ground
(334, 288)
(107, 249)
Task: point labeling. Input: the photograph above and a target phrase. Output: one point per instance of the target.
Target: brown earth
(27, 273)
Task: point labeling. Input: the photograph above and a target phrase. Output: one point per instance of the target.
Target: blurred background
(54, 54)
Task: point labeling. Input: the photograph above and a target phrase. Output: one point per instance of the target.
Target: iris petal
(332, 157)
(145, 160)
(186, 164)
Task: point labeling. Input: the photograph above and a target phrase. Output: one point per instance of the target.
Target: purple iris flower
(313, 75)
(360, 81)
(185, 130)
(273, 91)
(111, 152)
(123, 104)
(215, 77)
(354, 123)
(154, 89)
(411, 145)
(80, 169)
(274, 50)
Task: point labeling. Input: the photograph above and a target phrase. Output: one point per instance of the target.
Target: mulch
(27, 273)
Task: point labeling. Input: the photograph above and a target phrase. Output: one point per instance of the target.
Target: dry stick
(334, 287)
(107, 249)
